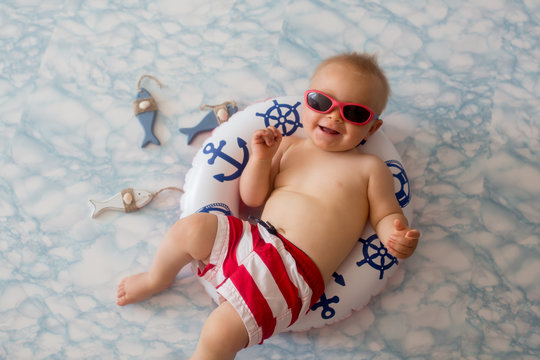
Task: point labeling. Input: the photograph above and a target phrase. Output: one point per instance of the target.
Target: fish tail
(190, 132)
(98, 208)
(149, 137)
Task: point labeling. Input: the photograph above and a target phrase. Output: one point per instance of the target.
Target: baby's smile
(328, 130)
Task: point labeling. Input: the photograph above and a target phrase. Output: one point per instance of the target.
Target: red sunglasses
(357, 114)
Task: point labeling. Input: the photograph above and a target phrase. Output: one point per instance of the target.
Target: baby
(318, 193)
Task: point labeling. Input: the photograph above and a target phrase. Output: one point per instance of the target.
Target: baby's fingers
(413, 234)
(259, 136)
(399, 251)
(268, 136)
(273, 135)
(402, 247)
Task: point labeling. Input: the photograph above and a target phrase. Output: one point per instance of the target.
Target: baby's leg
(223, 334)
(188, 239)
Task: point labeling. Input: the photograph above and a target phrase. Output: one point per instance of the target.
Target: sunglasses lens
(318, 101)
(356, 113)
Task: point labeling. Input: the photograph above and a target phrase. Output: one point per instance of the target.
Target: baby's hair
(364, 63)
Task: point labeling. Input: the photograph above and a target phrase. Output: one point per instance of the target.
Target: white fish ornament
(128, 200)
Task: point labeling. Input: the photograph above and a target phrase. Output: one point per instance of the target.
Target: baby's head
(366, 65)
(339, 82)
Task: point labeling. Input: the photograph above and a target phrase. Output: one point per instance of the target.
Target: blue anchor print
(381, 253)
(403, 194)
(210, 149)
(283, 118)
(338, 278)
(327, 312)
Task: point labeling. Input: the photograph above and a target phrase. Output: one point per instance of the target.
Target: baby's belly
(325, 231)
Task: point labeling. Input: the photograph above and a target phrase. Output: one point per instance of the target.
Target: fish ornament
(219, 114)
(145, 109)
(128, 200)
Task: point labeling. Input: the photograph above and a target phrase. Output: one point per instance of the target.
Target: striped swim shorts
(269, 281)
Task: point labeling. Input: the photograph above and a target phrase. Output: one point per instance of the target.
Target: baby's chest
(322, 176)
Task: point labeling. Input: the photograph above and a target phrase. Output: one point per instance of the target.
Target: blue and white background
(463, 115)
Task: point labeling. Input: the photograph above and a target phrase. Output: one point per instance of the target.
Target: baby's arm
(257, 178)
(386, 216)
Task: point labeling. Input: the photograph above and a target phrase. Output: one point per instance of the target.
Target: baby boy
(318, 193)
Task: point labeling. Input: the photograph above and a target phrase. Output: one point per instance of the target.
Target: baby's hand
(265, 143)
(403, 240)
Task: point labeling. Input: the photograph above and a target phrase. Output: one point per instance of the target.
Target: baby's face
(343, 83)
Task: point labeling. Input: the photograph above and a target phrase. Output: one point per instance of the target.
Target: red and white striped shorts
(269, 281)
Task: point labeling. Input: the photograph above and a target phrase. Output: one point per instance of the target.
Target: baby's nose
(335, 114)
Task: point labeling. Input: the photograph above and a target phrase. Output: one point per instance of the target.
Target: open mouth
(328, 130)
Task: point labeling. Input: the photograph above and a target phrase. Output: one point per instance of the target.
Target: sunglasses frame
(340, 105)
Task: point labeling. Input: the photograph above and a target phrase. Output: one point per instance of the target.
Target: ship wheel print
(282, 116)
(376, 255)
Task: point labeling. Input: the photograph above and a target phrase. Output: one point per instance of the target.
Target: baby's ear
(375, 126)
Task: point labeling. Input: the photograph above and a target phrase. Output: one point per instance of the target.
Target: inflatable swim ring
(211, 185)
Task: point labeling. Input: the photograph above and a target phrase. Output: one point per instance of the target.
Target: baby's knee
(224, 331)
(197, 233)
(193, 224)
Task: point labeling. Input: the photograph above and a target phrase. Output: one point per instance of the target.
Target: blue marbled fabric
(464, 115)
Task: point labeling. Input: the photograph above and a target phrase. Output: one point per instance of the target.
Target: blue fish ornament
(145, 109)
(219, 114)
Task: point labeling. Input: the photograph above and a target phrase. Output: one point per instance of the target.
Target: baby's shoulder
(366, 159)
(367, 164)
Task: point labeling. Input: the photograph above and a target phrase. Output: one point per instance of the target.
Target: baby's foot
(133, 289)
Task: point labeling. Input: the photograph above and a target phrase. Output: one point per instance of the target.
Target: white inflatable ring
(211, 185)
